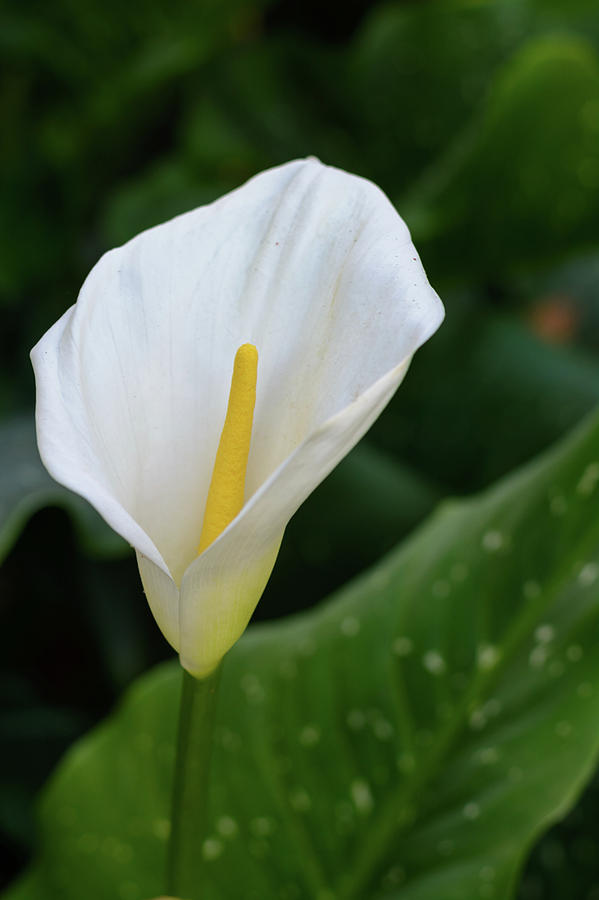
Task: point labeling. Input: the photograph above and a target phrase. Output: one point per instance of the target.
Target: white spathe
(313, 266)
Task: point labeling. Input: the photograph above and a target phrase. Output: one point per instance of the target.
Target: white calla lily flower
(314, 268)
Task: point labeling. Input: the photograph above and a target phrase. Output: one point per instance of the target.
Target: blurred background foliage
(479, 119)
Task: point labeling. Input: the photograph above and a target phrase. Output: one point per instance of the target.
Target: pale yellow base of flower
(229, 597)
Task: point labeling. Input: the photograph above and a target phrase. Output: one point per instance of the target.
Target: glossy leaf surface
(391, 744)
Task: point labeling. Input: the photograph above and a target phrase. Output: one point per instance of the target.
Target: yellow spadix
(227, 486)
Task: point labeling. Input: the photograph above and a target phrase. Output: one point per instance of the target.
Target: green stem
(190, 786)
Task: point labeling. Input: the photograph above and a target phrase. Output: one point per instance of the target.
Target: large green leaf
(407, 740)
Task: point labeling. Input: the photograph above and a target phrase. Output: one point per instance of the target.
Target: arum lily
(309, 275)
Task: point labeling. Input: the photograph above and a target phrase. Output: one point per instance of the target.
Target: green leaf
(25, 487)
(29, 887)
(564, 862)
(522, 184)
(408, 740)
(48, 730)
(419, 72)
(381, 501)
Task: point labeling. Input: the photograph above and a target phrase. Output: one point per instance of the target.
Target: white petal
(311, 264)
(71, 442)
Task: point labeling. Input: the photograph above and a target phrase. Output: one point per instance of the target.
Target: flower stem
(190, 786)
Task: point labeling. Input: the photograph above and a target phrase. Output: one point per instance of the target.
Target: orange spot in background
(555, 319)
